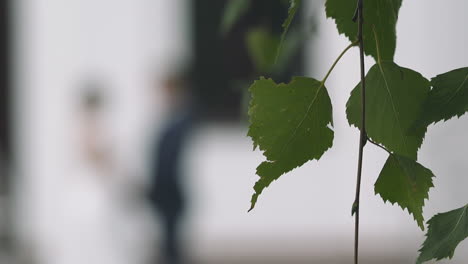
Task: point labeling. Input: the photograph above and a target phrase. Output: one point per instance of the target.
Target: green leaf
(405, 182)
(448, 97)
(291, 47)
(290, 123)
(233, 11)
(445, 232)
(262, 46)
(293, 7)
(379, 15)
(394, 98)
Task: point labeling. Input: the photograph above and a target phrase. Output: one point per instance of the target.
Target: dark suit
(167, 192)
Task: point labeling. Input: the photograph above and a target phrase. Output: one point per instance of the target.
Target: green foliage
(379, 15)
(448, 97)
(270, 52)
(445, 232)
(262, 46)
(233, 11)
(293, 7)
(394, 100)
(405, 182)
(290, 123)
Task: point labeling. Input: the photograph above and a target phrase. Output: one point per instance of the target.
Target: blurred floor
(331, 260)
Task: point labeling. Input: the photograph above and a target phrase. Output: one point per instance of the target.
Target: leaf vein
(457, 90)
(393, 108)
(455, 227)
(309, 108)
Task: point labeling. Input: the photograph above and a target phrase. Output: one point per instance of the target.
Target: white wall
(125, 44)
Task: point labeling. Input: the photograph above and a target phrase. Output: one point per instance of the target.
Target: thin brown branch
(363, 135)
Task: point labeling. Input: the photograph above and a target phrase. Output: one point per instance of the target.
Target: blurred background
(99, 98)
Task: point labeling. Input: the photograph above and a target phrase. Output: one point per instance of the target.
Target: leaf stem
(363, 135)
(338, 59)
(380, 146)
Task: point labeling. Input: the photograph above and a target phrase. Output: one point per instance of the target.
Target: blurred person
(167, 192)
(86, 208)
(90, 201)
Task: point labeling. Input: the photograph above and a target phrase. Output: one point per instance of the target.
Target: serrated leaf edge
(427, 234)
(426, 197)
(256, 195)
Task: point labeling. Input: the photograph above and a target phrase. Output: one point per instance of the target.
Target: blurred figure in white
(88, 221)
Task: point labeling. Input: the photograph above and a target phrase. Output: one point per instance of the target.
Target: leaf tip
(253, 202)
